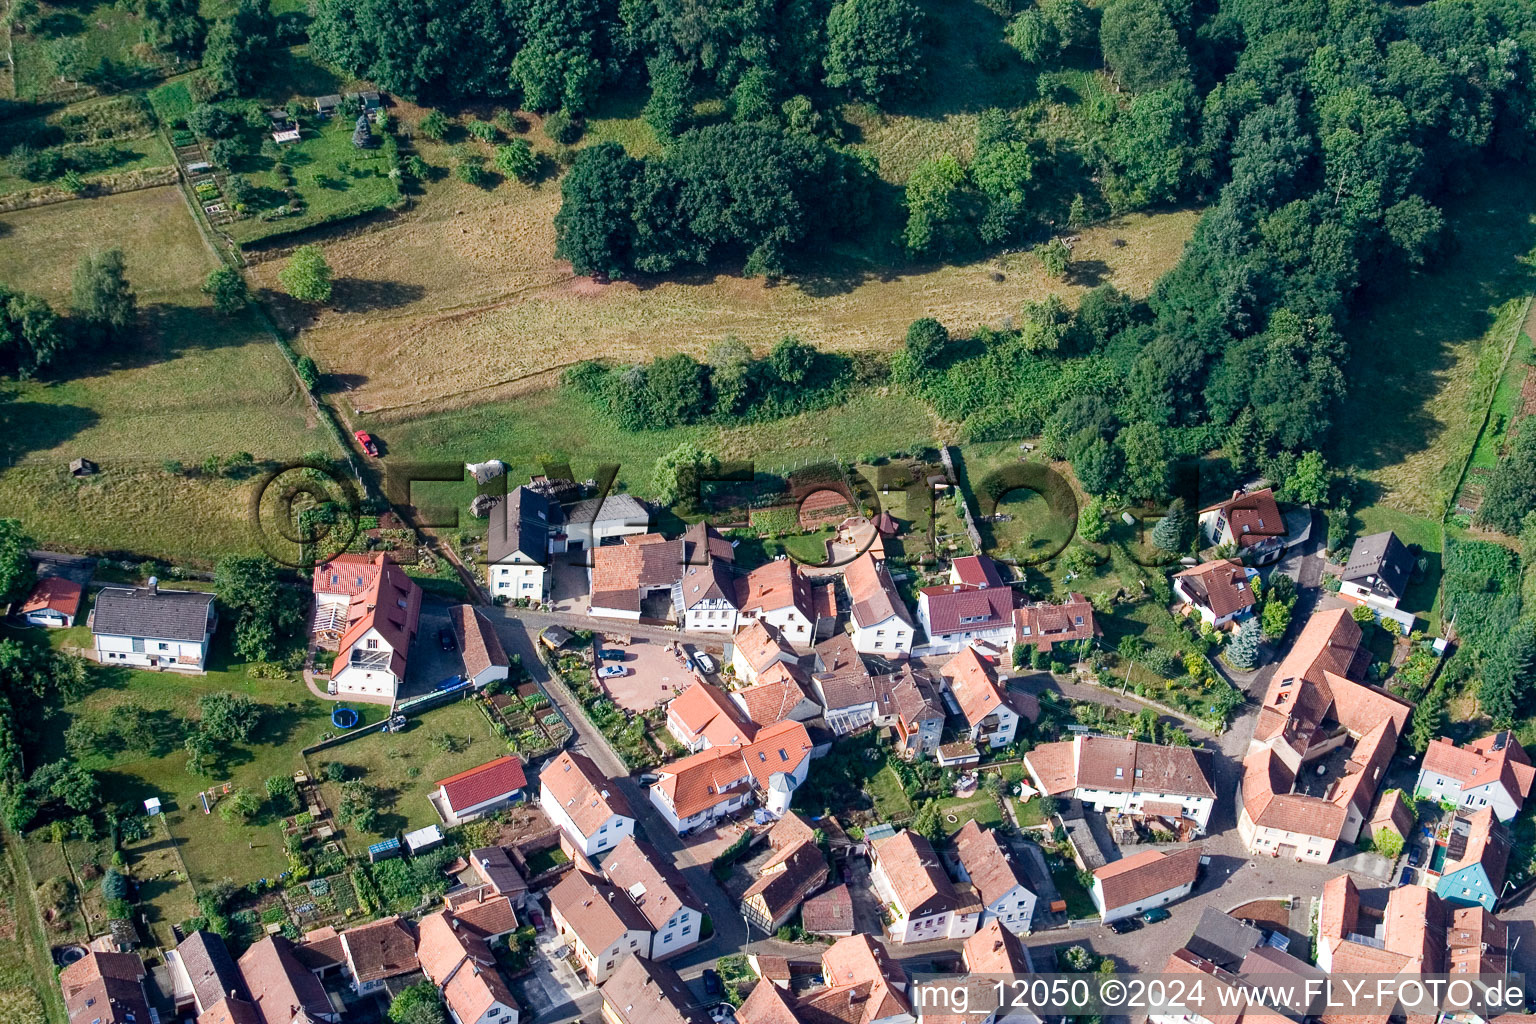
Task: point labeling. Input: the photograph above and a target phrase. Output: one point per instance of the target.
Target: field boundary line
(1517, 325)
(37, 933)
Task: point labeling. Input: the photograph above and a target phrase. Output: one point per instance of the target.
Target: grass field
(26, 994)
(110, 34)
(891, 803)
(405, 767)
(1423, 596)
(1428, 352)
(194, 384)
(982, 807)
(460, 304)
(138, 154)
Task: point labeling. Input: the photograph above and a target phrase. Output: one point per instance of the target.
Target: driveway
(429, 664)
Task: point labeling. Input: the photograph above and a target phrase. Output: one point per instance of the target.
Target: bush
(470, 173)
(482, 130)
(434, 126)
(516, 160)
(561, 127)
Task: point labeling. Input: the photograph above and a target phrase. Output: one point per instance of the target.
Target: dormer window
(1119, 773)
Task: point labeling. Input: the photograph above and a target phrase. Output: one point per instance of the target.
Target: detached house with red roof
(53, 603)
(879, 618)
(1219, 592)
(457, 958)
(702, 716)
(474, 793)
(1494, 771)
(974, 605)
(777, 594)
(1046, 625)
(594, 814)
(639, 905)
(721, 781)
(1251, 522)
(381, 616)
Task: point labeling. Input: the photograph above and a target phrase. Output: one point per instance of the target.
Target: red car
(366, 440)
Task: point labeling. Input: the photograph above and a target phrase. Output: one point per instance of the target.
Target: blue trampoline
(343, 717)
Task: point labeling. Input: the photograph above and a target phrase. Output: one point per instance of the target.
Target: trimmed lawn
(404, 767)
(891, 802)
(1423, 596)
(1030, 812)
(982, 807)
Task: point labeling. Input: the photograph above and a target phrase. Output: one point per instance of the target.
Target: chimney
(154, 586)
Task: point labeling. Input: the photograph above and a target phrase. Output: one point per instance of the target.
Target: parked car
(445, 638)
(1155, 915)
(1124, 925)
(705, 662)
(368, 443)
(611, 654)
(712, 984)
(649, 779)
(1415, 854)
(612, 671)
(1406, 878)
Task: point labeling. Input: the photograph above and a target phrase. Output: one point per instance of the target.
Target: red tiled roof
(705, 711)
(390, 604)
(915, 874)
(772, 587)
(381, 949)
(1045, 625)
(1252, 517)
(1221, 586)
(872, 592)
(781, 747)
(579, 786)
(984, 607)
(484, 782)
(1146, 874)
(975, 570)
(478, 641)
(345, 574)
(974, 685)
(1496, 756)
(700, 781)
(830, 913)
(55, 593)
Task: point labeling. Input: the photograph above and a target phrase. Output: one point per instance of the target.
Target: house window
(373, 645)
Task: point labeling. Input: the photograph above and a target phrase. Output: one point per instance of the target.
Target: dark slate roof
(1383, 555)
(210, 968)
(1223, 940)
(523, 523)
(166, 615)
(613, 508)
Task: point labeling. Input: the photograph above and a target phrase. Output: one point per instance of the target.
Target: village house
(699, 790)
(275, 976)
(879, 620)
(642, 991)
(1315, 709)
(633, 577)
(53, 603)
(600, 922)
(594, 814)
(756, 646)
(975, 605)
(1047, 625)
(985, 707)
(378, 951)
(1219, 592)
(1006, 897)
(1493, 771)
(777, 594)
(595, 522)
(703, 716)
(1416, 933)
(105, 988)
(1476, 860)
(500, 876)
(779, 760)
(1128, 776)
(1378, 571)
(457, 958)
(202, 973)
(1250, 522)
(924, 904)
(843, 685)
(1144, 880)
(705, 596)
(485, 660)
(779, 694)
(674, 913)
(526, 528)
(474, 793)
(906, 702)
(829, 913)
(795, 870)
(864, 985)
(147, 627)
(376, 608)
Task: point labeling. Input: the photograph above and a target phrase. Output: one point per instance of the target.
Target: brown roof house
(484, 659)
(793, 872)
(594, 814)
(984, 862)
(923, 903)
(1252, 523)
(1315, 710)
(828, 913)
(1148, 879)
(907, 702)
(1046, 625)
(202, 973)
(642, 991)
(282, 988)
(879, 620)
(648, 878)
(1128, 776)
(378, 951)
(476, 792)
(1219, 592)
(704, 716)
(105, 987)
(758, 645)
(985, 706)
(778, 695)
(1412, 935)
(457, 958)
(1493, 771)
(381, 621)
(777, 593)
(843, 685)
